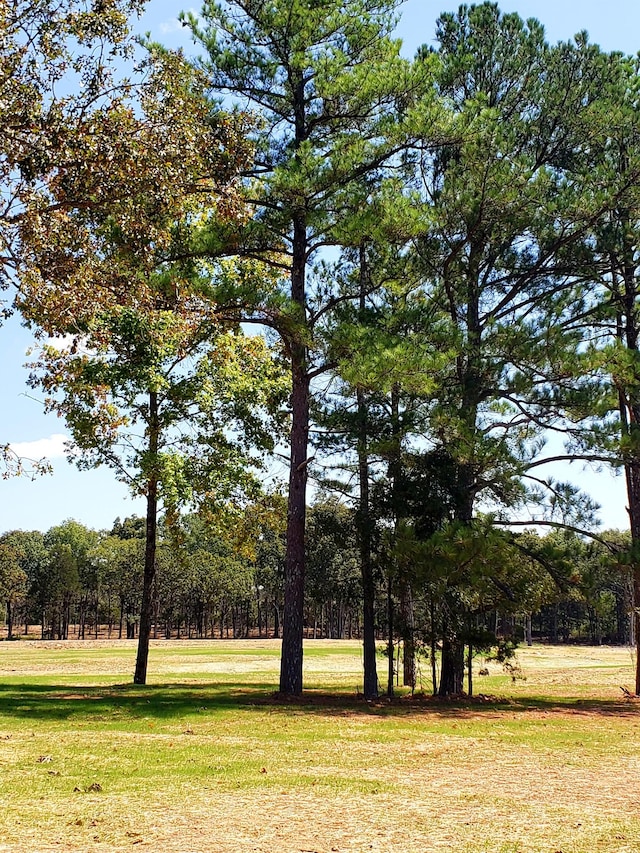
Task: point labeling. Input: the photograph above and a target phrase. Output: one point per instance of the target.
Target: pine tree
(507, 208)
(327, 81)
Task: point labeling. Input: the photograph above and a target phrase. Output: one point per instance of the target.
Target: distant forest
(76, 583)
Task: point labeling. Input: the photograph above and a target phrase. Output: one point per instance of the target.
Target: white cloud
(173, 25)
(51, 448)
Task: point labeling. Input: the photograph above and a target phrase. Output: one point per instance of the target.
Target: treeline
(73, 582)
(441, 257)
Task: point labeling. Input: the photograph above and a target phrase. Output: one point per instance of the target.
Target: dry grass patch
(206, 759)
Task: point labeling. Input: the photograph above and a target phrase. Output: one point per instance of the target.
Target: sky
(95, 498)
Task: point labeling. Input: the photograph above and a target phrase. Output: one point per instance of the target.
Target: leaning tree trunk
(146, 610)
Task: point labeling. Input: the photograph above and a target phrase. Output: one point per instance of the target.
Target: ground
(205, 758)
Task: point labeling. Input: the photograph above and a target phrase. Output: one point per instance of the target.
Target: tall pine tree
(327, 82)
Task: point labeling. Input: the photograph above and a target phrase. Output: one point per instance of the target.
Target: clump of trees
(441, 257)
(76, 583)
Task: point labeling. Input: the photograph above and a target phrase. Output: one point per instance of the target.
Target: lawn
(205, 759)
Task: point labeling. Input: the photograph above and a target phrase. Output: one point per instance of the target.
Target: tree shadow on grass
(128, 702)
(57, 702)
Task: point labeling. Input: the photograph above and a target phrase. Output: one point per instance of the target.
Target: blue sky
(94, 497)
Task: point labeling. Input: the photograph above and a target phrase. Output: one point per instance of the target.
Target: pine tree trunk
(364, 524)
(390, 646)
(469, 370)
(408, 641)
(452, 669)
(140, 675)
(293, 617)
(432, 638)
(633, 493)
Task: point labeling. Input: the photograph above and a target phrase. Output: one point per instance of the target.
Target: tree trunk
(632, 473)
(364, 525)
(259, 613)
(140, 675)
(628, 333)
(408, 641)
(293, 617)
(434, 670)
(634, 515)
(390, 646)
(469, 371)
(452, 669)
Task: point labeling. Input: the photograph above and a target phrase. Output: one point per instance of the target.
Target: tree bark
(408, 641)
(390, 646)
(528, 629)
(452, 670)
(140, 675)
(432, 638)
(293, 617)
(629, 406)
(364, 522)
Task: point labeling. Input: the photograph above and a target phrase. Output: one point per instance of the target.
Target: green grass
(205, 758)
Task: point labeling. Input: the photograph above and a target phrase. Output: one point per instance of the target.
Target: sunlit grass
(205, 757)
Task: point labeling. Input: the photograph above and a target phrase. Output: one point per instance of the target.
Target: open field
(204, 759)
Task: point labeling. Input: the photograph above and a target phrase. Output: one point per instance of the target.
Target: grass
(204, 757)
